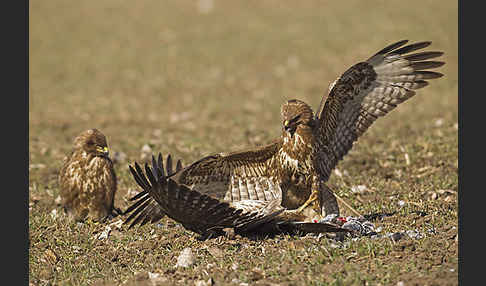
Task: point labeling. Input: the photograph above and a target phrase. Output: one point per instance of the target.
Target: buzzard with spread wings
(207, 215)
(294, 168)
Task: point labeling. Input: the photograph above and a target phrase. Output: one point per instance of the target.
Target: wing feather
(150, 210)
(366, 91)
(138, 215)
(196, 211)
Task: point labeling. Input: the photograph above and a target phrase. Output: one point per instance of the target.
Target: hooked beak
(103, 150)
(289, 128)
(286, 125)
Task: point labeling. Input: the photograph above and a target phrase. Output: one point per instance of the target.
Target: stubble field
(190, 79)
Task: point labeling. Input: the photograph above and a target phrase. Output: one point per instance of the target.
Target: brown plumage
(87, 179)
(294, 168)
(207, 215)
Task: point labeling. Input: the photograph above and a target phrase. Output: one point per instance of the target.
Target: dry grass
(164, 74)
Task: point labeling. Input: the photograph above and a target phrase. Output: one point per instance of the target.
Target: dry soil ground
(199, 77)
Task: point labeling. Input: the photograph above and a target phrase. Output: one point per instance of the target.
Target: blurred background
(197, 77)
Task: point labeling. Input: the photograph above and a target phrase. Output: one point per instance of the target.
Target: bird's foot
(312, 198)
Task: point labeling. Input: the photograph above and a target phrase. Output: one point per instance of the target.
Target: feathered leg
(322, 199)
(327, 200)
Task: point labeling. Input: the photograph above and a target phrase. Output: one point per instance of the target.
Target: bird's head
(93, 142)
(296, 114)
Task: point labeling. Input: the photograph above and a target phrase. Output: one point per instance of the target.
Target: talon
(313, 197)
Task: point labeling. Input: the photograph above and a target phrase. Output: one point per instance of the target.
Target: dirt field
(192, 78)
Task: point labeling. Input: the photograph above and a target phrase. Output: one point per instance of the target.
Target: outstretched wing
(194, 210)
(236, 176)
(366, 91)
(145, 208)
(233, 177)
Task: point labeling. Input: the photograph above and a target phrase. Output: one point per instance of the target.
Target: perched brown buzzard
(87, 179)
(295, 167)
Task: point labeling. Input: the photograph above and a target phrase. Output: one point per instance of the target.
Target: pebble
(156, 278)
(146, 152)
(105, 233)
(414, 234)
(153, 275)
(54, 213)
(358, 189)
(439, 122)
(338, 173)
(186, 258)
(204, 283)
